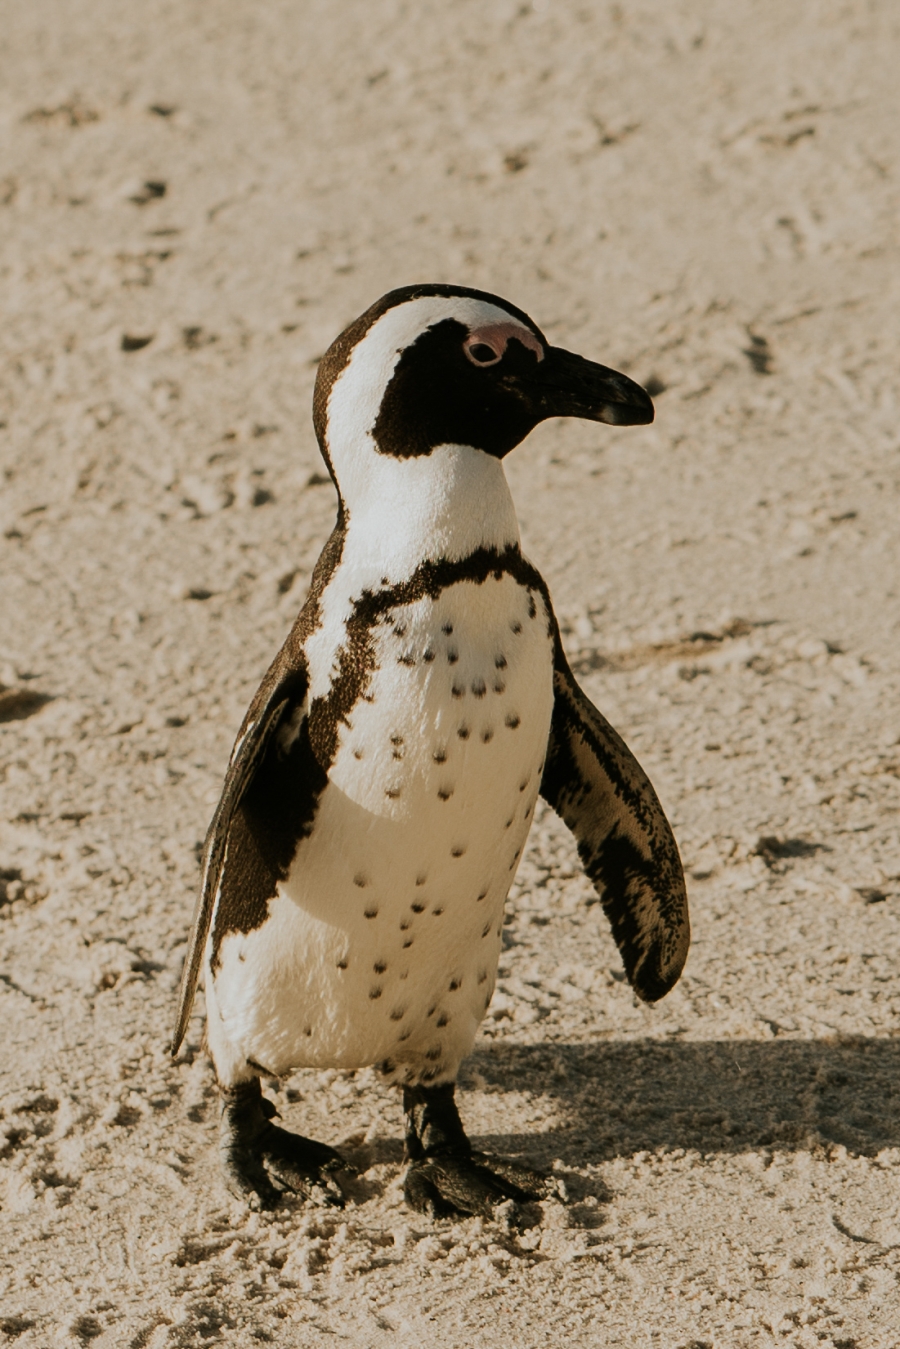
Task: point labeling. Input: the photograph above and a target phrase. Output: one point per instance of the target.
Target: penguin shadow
(711, 1097)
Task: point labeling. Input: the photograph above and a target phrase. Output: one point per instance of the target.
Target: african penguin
(382, 784)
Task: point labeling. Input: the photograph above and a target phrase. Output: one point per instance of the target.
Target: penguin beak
(566, 385)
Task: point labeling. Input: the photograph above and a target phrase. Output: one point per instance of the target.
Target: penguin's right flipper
(280, 699)
(626, 845)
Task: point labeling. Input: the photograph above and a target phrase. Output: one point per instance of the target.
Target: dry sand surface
(196, 197)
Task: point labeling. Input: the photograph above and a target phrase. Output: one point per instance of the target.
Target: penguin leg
(260, 1160)
(446, 1176)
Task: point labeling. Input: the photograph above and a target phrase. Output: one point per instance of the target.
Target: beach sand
(194, 200)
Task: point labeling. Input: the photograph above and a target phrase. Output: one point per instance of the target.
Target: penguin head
(434, 365)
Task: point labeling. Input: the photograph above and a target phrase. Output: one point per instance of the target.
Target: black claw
(256, 1153)
(445, 1176)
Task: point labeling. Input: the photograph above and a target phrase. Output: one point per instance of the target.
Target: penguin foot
(452, 1184)
(260, 1161)
(445, 1175)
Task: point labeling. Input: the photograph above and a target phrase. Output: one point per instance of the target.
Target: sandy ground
(196, 197)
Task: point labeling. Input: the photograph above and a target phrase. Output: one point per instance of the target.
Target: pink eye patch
(486, 345)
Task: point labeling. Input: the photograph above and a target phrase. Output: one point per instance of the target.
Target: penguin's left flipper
(281, 699)
(260, 1161)
(626, 845)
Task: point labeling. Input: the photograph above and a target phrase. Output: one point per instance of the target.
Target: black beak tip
(639, 411)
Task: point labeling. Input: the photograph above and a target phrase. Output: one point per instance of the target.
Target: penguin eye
(479, 353)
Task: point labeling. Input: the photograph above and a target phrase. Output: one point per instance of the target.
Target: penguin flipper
(280, 696)
(626, 845)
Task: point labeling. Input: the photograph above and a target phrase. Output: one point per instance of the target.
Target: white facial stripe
(357, 392)
(454, 500)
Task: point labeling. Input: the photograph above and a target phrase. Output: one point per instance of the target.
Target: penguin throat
(445, 505)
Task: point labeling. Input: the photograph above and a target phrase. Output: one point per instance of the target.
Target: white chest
(382, 944)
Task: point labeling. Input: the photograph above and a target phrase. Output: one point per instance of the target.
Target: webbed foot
(449, 1184)
(260, 1161)
(445, 1175)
